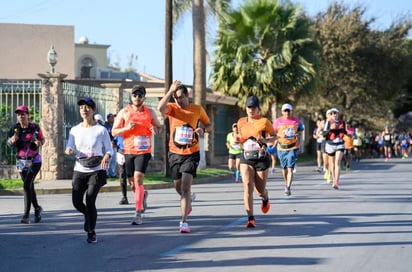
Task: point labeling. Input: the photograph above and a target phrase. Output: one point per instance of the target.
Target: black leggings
(121, 169)
(30, 196)
(89, 183)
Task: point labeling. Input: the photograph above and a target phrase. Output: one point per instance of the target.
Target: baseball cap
(87, 101)
(22, 108)
(252, 101)
(110, 115)
(139, 89)
(98, 117)
(287, 107)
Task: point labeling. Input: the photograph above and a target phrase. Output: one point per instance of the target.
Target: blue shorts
(288, 158)
(272, 149)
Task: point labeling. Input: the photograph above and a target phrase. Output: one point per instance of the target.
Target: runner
(288, 129)
(137, 123)
(334, 131)
(234, 148)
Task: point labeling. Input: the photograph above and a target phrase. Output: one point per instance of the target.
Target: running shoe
(265, 207)
(137, 220)
(287, 192)
(294, 170)
(326, 175)
(273, 170)
(25, 219)
(335, 185)
(184, 227)
(124, 201)
(145, 195)
(193, 198)
(91, 237)
(251, 223)
(37, 214)
(329, 179)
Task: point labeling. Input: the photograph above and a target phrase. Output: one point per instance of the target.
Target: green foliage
(363, 71)
(264, 49)
(11, 183)
(5, 124)
(149, 178)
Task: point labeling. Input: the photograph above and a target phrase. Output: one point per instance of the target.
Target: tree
(264, 49)
(214, 7)
(363, 71)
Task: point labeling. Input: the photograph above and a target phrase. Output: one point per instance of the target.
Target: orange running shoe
(251, 224)
(265, 207)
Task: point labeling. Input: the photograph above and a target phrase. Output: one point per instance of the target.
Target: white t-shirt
(87, 142)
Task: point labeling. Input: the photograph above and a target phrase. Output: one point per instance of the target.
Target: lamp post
(52, 58)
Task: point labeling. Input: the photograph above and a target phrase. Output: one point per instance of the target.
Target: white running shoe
(294, 170)
(193, 196)
(138, 219)
(184, 227)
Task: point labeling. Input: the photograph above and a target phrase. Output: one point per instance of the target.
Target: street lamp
(52, 58)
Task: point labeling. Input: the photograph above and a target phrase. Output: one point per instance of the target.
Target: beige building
(90, 59)
(24, 48)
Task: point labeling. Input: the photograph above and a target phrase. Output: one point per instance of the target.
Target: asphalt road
(366, 225)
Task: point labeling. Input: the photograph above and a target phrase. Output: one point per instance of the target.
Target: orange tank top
(139, 139)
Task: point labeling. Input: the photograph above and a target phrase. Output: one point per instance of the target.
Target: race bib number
(184, 135)
(236, 146)
(120, 158)
(290, 133)
(23, 165)
(142, 143)
(251, 145)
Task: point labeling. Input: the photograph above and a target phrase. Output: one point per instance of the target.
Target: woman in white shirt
(91, 144)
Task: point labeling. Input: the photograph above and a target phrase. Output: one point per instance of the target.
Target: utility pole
(168, 77)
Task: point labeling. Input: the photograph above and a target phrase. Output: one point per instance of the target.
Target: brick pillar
(52, 126)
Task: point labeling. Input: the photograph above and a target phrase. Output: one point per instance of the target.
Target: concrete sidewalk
(65, 186)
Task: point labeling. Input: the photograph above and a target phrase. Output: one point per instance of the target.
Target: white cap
(287, 107)
(332, 110)
(98, 117)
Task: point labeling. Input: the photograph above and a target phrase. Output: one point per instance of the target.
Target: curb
(112, 187)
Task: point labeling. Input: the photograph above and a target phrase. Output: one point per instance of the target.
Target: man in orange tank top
(136, 123)
(184, 146)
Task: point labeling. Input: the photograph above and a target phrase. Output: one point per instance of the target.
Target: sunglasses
(334, 112)
(179, 97)
(286, 110)
(138, 95)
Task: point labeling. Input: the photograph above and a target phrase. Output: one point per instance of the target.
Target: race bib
(120, 158)
(23, 165)
(290, 133)
(183, 135)
(142, 143)
(387, 137)
(251, 145)
(357, 142)
(236, 146)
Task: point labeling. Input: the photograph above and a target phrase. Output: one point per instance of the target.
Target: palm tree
(214, 7)
(264, 49)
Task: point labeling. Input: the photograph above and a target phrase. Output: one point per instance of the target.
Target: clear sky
(137, 26)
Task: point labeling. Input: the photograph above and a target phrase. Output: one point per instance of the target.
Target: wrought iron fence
(13, 94)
